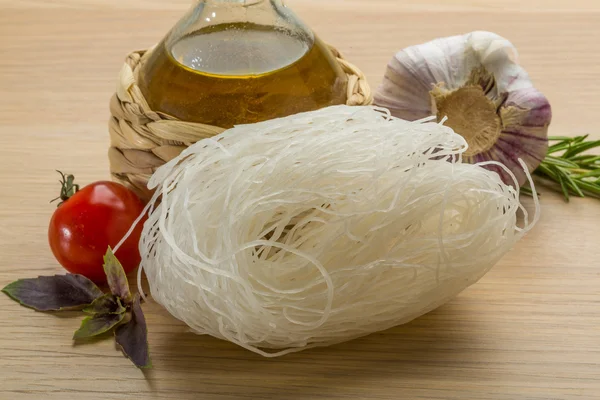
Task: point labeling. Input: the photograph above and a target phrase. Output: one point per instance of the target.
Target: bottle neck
(267, 13)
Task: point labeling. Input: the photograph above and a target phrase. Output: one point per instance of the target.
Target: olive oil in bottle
(238, 72)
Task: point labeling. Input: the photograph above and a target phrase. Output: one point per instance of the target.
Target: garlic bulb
(475, 82)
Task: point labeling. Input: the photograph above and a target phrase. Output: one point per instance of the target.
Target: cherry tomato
(90, 220)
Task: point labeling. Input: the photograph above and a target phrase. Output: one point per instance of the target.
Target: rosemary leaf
(574, 173)
(560, 162)
(558, 147)
(545, 170)
(590, 188)
(572, 183)
(579, 139)
(580, 148)
(588, 162)
(590, 174)
(585, 158)
(564, 187)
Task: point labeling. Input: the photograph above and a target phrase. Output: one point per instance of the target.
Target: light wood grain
(529, 330)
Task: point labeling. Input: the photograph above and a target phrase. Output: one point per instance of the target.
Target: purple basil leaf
(107, 304)
(54, 293)
(115, 275)
(97, 325)
(132, 336)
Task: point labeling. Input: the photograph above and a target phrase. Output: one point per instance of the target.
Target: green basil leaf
(107, 304)
(115, 275)
(97, 325)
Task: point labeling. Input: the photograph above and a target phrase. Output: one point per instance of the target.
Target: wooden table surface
(529, 330)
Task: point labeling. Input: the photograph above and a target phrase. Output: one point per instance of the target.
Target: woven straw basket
(142, 140)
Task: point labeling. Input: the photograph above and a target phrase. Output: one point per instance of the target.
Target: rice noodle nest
(322, 227)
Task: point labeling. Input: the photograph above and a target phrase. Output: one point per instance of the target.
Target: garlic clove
(405, 98)
(526, 115)
(475, 82)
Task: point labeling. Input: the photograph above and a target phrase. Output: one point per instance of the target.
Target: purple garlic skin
(476, 83)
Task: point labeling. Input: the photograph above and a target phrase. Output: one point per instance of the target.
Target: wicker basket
(142, 140)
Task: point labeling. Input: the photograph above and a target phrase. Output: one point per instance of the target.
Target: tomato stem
(68, 188)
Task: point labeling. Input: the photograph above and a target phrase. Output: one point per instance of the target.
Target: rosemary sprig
(575, 174)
